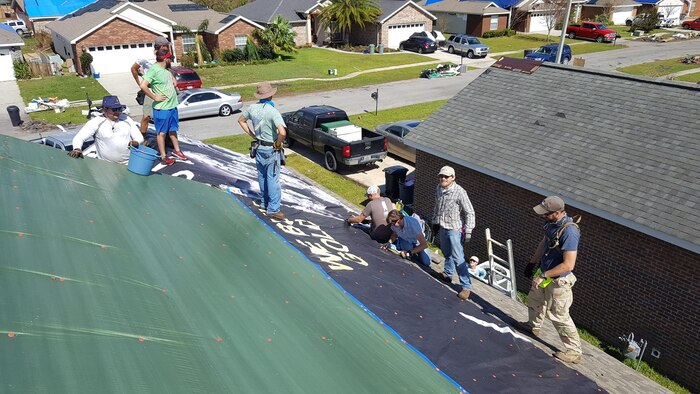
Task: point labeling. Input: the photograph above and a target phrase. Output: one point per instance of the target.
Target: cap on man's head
(447, 171)
(265, 90)
(161, 41)
(474, 258)
(374, 189)
(549, 204)
(112, 102)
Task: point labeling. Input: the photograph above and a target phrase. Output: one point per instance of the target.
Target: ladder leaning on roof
(501, 272)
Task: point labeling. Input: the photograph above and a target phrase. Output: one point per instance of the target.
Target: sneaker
(179, 155)
(168, 161)
(526, 327)
(276, 215)
(464, 294)
(569, 356)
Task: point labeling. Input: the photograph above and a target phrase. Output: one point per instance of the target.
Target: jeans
(451, 246)
(268, 164)
(404, 245)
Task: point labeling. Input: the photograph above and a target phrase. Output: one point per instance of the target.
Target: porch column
(309, 35)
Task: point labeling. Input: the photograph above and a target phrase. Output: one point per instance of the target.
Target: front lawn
(694, 78)
(658, 68)
(586, 47)
(625, 32)
(305, 63)
(416, 111)
(72, 115)
(519, 42)
(70, 87)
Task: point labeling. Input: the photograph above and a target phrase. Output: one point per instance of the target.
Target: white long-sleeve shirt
(111, 138)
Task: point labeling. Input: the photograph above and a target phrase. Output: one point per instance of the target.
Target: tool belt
(265, 143)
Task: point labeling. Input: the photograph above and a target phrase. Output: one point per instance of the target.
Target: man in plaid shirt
(451, 206)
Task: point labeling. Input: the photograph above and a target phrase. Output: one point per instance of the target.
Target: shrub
(22, 70)
(188, 59)
(647, 22)
(85, 62)
(499, 33)
(232, 55)
(602, 18)
(251, 51)
(206, 55)
(266, 52)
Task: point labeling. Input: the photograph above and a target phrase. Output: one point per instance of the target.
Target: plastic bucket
(142, 160)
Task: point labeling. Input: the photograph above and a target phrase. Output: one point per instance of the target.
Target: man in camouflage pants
(550, 294)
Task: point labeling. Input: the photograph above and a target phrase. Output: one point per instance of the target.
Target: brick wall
(227, 38)
(589, 13)
(627, 281)
(301, 37)
(408, 14)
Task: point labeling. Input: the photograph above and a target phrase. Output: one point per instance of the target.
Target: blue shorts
(165, 120)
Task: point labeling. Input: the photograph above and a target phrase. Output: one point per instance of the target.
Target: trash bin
(393, 176)
(13, 111)
(380, 48)
(406, 191)
(527, 52)
(371, 49)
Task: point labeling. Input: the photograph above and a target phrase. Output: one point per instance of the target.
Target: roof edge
(406, 4)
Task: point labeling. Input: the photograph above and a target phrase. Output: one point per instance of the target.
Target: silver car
(395, 133)
(207, 102)
(468, 45)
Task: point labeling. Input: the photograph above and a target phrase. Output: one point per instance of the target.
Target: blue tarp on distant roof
(7, 27)
(501, 3)
(648, 1)
(48, 8)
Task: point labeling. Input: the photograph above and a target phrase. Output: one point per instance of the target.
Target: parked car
(395, 133)
(662, 22)
(468, 45)
(327, 130)
(418, 44)
(18, 25)
(185, 78)
(433, 35)
(593, 31)
(691, 24)
(207, 102)
(548, 53)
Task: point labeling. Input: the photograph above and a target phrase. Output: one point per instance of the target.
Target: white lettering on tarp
(502, 330)
(184, 174)
(329, 250)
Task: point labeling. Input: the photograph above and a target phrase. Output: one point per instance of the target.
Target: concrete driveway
(123, 86)
(10, 96)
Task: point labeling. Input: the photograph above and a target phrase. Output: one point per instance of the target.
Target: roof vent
(561, 115)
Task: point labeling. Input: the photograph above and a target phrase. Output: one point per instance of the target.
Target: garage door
(7, 72)
(538, 22)
(398, 33)
(621, 14)
(110, 59)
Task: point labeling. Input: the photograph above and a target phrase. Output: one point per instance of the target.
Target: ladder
(501, 271)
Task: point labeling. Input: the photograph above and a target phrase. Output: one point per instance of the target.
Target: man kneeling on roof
(408, 237)
(113, 133)
(377, 209)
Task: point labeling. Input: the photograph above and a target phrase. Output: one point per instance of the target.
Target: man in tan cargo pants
(550, 294)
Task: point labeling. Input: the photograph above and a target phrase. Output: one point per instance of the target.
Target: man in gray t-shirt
(377, 209)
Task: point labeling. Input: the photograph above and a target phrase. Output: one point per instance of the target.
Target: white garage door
(398, 33)
(110, 59)
(671, 11)
(538, 22)
(621, 14)
(7, 72)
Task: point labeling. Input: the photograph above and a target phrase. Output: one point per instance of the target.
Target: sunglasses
(444, 176)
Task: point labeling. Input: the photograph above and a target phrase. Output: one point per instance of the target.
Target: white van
(18, 25)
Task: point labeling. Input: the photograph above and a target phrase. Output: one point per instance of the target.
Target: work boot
(464, 294)
(276, 215)
(526, 327)
(569, 356)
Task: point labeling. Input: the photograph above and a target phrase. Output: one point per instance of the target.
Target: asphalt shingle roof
(8, 37)
(264, 11)
(462, 6)
(621, 147)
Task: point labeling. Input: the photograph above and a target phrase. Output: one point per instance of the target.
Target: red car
(691, 24)
(185, 78)
(593, 31)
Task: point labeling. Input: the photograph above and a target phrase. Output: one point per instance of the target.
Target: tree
(343, 14)
(278, 35)
(553, 12)
(203, 25)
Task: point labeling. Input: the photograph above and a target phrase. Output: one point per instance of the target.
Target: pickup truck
(593, 31)
(327, 130)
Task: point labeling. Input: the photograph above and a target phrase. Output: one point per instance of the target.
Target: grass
(624, 31)
(658, 68)
(416, 111)
(312, 86)
(29, 45)
(69, 87)
(583, 48)
(694, 78)
(72, 115)
(305, 63)
(519, 42)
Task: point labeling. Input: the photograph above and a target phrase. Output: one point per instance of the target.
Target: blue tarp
(48, 8)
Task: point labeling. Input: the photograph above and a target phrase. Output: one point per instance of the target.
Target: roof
(626, 150)
(391, 7)
(8, 36)
(264, 11)
(175, 12)
(48, 8)
(466, 7)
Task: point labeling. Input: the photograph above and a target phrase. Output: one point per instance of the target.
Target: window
(494, 22)
(188, 44)
(241, 42)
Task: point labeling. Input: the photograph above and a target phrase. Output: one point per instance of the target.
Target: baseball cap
(160, 41)
(447, 171)
(474, 258)
(549, 204)
(374, 189)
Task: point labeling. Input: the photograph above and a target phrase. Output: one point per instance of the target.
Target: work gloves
(466, 236)
(277, 145)
(75, 153)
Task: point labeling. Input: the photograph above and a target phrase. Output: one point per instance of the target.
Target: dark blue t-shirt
(568, 241)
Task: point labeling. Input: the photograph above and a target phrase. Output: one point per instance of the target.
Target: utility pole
(560, 49)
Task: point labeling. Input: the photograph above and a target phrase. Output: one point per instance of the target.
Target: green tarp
(115, 282)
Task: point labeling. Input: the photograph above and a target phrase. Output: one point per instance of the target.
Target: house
(669, 9)
(10, 44)
(618, 11)
(37, 13)
(399, 19)
(536, 129)
(117, 32)
(467, 17)
(534, 15)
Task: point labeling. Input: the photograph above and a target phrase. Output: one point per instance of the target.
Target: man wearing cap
(408, 237)
(159, 86)
(113, 133)
(269, 130)
(377, 209)
(555, 257)
(474, 268)
(138, 69)
(453, 220)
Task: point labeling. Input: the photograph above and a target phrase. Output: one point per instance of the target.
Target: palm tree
(278, 35)
(203, 25)
(346, 13)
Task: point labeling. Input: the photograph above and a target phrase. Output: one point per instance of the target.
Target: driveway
(123, 86)
(10, 96)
